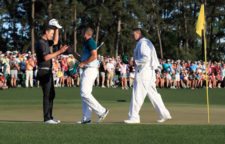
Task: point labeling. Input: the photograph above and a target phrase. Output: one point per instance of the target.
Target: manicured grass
(21, 118)
(71, 95)
(27, 133)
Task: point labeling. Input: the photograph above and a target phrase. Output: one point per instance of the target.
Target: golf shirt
(88, 46)
(42, 49)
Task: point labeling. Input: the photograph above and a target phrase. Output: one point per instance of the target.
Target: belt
(85, 67)
(45, 68)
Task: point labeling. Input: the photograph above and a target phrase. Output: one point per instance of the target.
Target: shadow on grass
(121, 101)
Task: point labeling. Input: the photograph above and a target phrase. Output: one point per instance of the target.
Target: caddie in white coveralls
(146, 62)
(89, 65)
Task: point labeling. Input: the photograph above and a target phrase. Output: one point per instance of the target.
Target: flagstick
(206, 66)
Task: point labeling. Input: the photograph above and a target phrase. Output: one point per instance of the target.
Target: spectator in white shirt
(123, 74)
(110, 68)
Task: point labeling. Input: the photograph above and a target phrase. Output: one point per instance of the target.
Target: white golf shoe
(50, 122)
(84, 122)
(162, 120)
(103, 116)
(56, 120)
(131, 121)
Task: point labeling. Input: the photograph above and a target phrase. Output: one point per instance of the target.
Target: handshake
(65, 49)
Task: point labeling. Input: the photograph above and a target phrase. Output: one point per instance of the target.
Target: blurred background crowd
(20, 70)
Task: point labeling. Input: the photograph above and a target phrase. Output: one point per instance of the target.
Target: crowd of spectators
(20, 70)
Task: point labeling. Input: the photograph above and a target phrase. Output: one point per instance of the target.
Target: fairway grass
(36, 133)
(21, 118)
(186, 106)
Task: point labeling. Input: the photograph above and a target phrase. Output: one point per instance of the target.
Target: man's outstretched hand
(81, 65)
(63, 49)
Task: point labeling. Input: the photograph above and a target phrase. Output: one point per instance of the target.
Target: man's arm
(56, 37)
(55, 54)
(93, 57)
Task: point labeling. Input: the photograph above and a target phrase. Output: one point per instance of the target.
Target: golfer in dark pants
(44, 59)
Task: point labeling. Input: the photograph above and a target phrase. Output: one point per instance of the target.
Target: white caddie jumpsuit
(144, 84)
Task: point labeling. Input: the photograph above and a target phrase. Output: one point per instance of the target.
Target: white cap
(54, 22)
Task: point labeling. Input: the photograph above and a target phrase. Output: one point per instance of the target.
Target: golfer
(146, 62)
(89, 65)
(44, 61)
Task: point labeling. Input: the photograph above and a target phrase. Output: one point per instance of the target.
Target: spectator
(123, 74)
(60, 78)
(102, 70)
(1, 63)
(199, 79)
(174, 73)
(30, 64)
(166, 66)
(212, 81)
(14, 67)
(162, 80)
(223, 75)
(3, 84)
(64, 68)
(131, 72)
(168, 80)
(177, 79)
(219, 80)
(110, 68)
(158, 78)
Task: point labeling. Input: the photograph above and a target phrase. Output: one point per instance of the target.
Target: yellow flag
(201, 21)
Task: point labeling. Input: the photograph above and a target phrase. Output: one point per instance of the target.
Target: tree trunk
(14, 34)
(160, 42)
(210, 49)
(32, 27)
(50, 16)
(118, 37)
(186, 32)
(75, 29)
(50, 9)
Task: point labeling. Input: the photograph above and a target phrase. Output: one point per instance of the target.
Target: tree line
(170, 24)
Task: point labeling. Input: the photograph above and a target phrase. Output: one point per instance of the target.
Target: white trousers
(29, 78)
(142, 88)
(89, 102)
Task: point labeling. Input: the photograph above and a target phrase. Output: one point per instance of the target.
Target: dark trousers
(47, 84)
